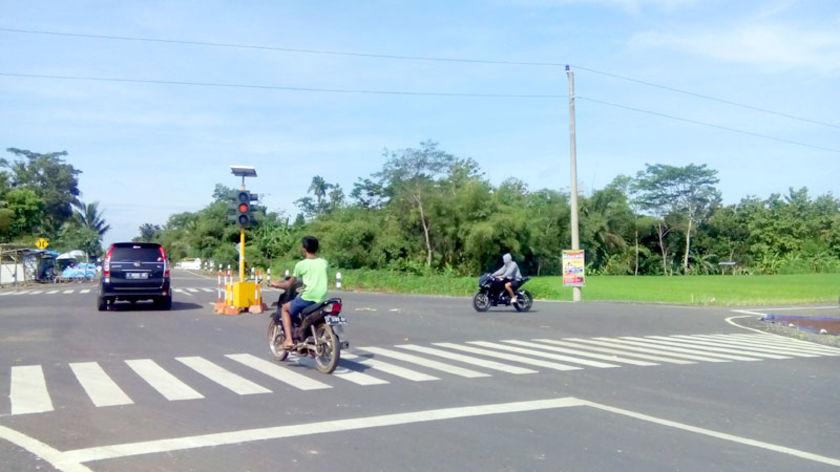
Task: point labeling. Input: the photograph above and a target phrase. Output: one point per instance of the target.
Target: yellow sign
(41, 243)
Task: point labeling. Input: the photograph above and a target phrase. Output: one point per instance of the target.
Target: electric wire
(427, 59)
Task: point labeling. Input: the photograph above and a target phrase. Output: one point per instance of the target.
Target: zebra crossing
(84, 289)
(248, 374)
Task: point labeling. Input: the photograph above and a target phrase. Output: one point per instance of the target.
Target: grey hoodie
(510, 270)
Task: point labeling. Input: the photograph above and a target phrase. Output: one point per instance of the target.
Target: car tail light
(165, 264)
(106, 266)
(335, 309)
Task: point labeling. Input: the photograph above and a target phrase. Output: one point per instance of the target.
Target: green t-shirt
(313, 272)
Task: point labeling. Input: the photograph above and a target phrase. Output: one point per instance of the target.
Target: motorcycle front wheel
(524, 300)
(481, 301)
(275, 340)
(328, 350)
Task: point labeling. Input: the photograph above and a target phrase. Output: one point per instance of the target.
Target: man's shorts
(297, 305)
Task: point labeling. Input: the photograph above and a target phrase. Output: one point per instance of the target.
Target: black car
(135, 271)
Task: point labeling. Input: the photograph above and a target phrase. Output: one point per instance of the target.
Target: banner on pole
(573, 268)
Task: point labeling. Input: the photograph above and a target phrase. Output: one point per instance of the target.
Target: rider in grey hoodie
(509, 272)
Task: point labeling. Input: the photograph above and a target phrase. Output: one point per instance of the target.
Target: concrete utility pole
(576, 291)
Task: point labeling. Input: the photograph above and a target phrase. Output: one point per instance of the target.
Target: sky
(155, 100)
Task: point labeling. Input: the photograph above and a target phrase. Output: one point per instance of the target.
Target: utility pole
(576, 291)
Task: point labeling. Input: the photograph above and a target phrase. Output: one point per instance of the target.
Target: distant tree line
(39, 198)
(428, 210)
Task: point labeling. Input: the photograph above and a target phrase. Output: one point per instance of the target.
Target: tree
(25, 210)
(148, 232)
(54, 181)
(89, 216)
(687, 191)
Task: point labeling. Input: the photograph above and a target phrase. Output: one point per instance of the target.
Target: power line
(710, 125)
(277, 87)
(423, 58)
(400, 92)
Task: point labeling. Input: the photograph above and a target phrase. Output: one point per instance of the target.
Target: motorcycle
(492, 292)
(315, 334)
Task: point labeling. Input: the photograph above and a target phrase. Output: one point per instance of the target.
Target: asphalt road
(427, 383)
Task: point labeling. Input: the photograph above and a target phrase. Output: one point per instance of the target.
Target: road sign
(41, 243)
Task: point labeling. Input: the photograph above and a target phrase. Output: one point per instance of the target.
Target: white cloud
(770, 45)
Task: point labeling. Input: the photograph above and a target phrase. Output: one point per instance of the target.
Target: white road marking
(39, 449)
(578, 352)
(52, 292)
(67, 291)
(36, 292)
(180, 290)
(194, 290)
(278, 372)
(99, 387)
(87, 290)
(680, 347)
(719, 347)
(451, 369)
(222, 376)
(787, 343)
(162, 381)
(628, 345)
(610, 350)
(547, 355)
(392, 369)
(28, 392)
(510, 357)
(724, 340)
(717, 434)
(208, 290)
(114, 451)
(468, 359)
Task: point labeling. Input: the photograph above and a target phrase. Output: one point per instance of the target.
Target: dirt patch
(806, 328)
(819, 325)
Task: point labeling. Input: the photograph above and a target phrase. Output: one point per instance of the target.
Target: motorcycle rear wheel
(329, 353)
(524, 300)
(481, 301)
(275, 340)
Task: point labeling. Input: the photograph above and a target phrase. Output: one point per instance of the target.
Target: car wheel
(102, 304)
(165, 303)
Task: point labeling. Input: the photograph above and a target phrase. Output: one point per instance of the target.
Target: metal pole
(576, 291)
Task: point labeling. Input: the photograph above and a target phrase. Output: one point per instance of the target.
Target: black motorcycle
(315, 335)
(491, 292)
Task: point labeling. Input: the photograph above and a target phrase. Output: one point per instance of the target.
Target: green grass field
(724, 290)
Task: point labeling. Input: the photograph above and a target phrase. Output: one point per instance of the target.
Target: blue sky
(148, 150)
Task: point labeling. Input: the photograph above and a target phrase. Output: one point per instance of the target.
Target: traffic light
(241, 208)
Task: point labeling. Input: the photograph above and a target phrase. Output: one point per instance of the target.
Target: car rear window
(137, 253)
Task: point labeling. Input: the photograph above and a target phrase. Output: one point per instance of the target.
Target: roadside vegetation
(431, 222)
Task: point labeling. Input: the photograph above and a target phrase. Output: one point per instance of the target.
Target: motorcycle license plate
(335, 320)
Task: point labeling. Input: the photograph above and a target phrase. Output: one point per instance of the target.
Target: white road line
(547, 355)
(180, 290)
(630, 345)
(717, 434)
(451, 369)
(167, 384)
(797, 343)
(278, 372)
(3, 294)
(28, 392)
(358, 378)
(222, 376)
(510, 357)
(208, 290)
(36, 292)
(194, 290)
(392, 369)
(722, 347)
(467, 359)
(614, 348)
(87, 290)
(99, 387)
(114, 451)
(68, 291)
(578, 352)
(39, 449)
(681, 347)
(52, 292)
(756, 346)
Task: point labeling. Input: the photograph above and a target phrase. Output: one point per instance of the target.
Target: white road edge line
(49, 454)
(717, 434)
(115, 451)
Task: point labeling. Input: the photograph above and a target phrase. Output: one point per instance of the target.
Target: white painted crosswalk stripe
(467, 359)
(718, 347)
(28, 393)
(52, 292)
(182, 291)
(788, 342)
(603, 346)
(388, 368)
(101, 389)
(547, 355)
(67, 292)
(641, 347)
(208, 290)
(165, 383)
(755, 346)
(194, 290)
(222, 376)
(512, 357)
(678, 347)
(450, 369)
(86, 290)
(276, 371)
(579, 352)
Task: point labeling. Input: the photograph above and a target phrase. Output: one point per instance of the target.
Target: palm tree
(89, 216)
(319, 188)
